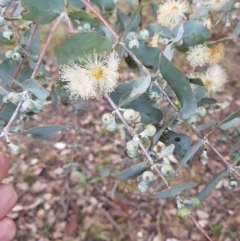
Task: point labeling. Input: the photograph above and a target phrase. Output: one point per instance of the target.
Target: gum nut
(28, 105)
(153, 95)
(148, 176)
(195, 201)
(167, 170)
(201, 111)
(14, 97)
(38, 106)
(108, 119)
(192, 120)
(142, 186)
(112, 127)
(144, 34)
(131, 145)
(133, 44)
(233, 183)
(8, 54)
(16, 56)
(133, 153)
(129, 114)
(183, 213)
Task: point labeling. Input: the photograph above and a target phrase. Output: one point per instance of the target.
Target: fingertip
(8, 229)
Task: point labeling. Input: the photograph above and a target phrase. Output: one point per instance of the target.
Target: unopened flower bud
(237, 5)
(86, 26)
(8, 54)
(167, 170)
(204, 158)
(164, 41)
(108, 119)
(153, 95)
(195, 202)
(130, 115)
(40, 75)
(2, 21)
(35, 57)
(233, 183)
(38, 106)
(16, 56)
(191, 120)
(148, 176)
(133, 44)
(144, 34)
(8, 34)
(132, 146)
(143, 186)
(224, 105)
(112, 127)
(149, 130)
(201, 111)
(131, 35)
(145, 142)
(183, 213)
(14, 97)
(132, 153)
(28, 105)
(15, 150)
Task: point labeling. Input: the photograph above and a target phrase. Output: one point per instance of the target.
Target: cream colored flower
(92, 76)
(214, 78)
(216, 53)
(198, 55)
(172, 13)
(155, 39)
(215, 5)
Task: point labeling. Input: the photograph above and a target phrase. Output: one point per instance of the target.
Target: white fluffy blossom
(215, 5)
(198, 55)
(214, 78)
(93, 76)
(172, 12)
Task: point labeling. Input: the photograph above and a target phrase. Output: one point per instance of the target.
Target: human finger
(8, 199)
(8, 229)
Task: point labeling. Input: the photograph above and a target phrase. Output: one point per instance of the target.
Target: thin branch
(68, 21)
(198, 226)
(37, 66)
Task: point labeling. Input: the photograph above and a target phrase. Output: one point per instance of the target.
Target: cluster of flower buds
(134, 39)
(15, 150)
(28, 105)
(132, 116)
(167, 170)
(109, 121)
(16, 54)
(146, 181)
(203, 157)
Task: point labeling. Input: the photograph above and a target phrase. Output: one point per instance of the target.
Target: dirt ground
(57, 203)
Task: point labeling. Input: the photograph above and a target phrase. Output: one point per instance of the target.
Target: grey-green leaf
(173, 191)
(44, 130)
(33, 86)
(132, 172)
(180, 85)
(229, 118)
(81, 44)
(42, 12)
(211, 185)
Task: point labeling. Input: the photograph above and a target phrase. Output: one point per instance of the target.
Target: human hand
(8, 199)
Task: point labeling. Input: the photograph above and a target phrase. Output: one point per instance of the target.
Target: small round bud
(144, 34)
(224, 105)
(2, 21)
(14, 97)
(38, 106)
(8, 54)
(195, 202)
(153, 95)
(183, 213)
(149, 130)
(40, 75)
(201, 111)
(35, 57)
(22, 27)
(132, 146)
(167, 170)
(237, 5)
(233, 16)
(28, 105)
(8, 34)
(233, 183)
(86, 26)
(133, 44)
(108, 119)
(227, 24)
(15, 150)
(16, 56)
(148, 176)
(210, 111)
(164, 41)
(192, 120)
(130, 114)
(112, 127)
(131, 35)
(203, 157)
(79, 28)
(143, 186)
(145, 142)
(132, 153)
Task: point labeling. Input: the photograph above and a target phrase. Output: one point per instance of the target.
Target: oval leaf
(42, 12)
(173, 191)
(132, 172)
(44, 130)
(180, 85)
(229, 118)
